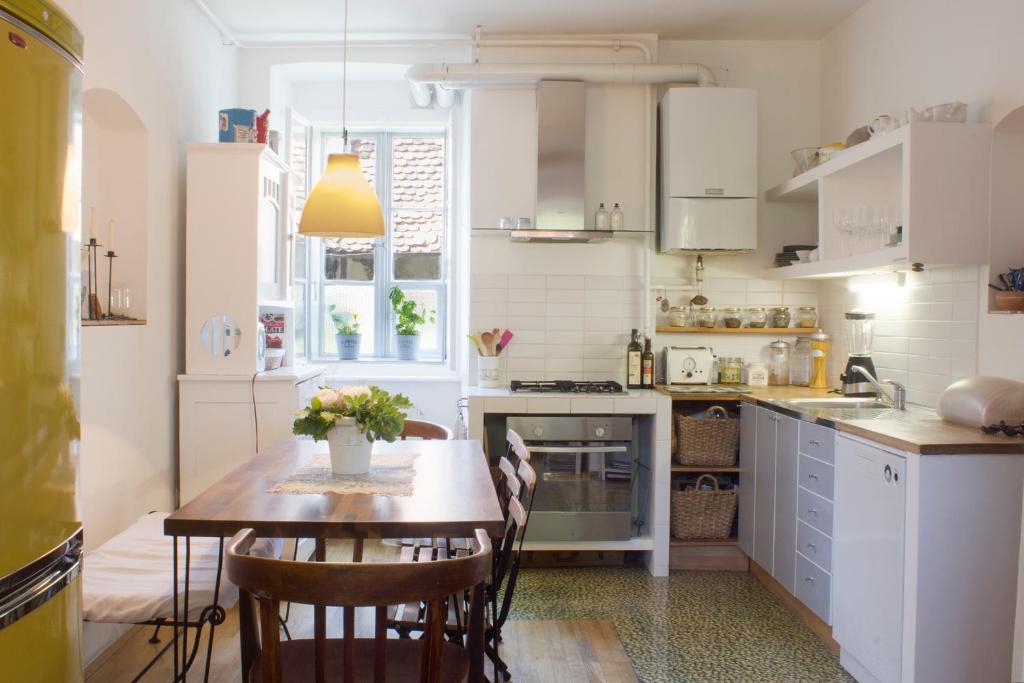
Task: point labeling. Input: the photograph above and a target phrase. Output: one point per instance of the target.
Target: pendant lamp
(342, 203)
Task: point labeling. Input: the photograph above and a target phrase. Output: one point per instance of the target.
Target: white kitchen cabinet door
(764, 477)
(748, 446)
(868, 556)
(786, 447)
(502, 155)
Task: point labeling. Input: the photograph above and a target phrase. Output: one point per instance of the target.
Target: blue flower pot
(348, 346)
(407, 346)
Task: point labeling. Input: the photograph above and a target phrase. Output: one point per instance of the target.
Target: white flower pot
(350, 451)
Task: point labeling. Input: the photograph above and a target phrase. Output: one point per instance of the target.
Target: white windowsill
(389, 371)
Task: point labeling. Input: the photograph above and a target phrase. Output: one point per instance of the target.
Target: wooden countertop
(919, 430)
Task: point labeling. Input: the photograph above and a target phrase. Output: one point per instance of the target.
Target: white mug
(882, 124)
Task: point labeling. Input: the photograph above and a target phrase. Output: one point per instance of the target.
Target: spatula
(506, 337)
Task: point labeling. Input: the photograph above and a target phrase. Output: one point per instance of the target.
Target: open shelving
(933, 177)
(775, 331)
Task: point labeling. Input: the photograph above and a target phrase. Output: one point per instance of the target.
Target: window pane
(299, 258)
(348, 258)
(417, 176)
(349, 299)
(299, 300)
(428, 333)
(416, 240)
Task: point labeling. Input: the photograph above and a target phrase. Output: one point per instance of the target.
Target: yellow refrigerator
(40, 207)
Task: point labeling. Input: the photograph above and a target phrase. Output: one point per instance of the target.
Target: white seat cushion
(129, 579)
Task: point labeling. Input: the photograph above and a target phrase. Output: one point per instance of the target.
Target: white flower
(360, 390)
(329, 398)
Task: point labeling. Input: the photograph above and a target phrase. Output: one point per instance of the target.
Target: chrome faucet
(898, 398)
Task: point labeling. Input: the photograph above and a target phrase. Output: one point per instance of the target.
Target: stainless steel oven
(589, 477)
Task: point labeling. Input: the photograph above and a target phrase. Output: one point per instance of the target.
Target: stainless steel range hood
(561, 166)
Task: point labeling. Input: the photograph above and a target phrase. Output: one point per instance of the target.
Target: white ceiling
(688, 19)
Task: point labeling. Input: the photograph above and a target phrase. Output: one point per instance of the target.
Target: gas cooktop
(566, 386)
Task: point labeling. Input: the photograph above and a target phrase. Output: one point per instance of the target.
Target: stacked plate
(790, 254)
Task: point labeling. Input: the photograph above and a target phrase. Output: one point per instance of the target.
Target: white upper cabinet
(502, 155)
(709, 142)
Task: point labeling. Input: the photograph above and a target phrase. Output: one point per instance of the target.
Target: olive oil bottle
(634, 362)
(647, 365)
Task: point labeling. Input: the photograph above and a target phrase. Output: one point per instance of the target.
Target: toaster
(689, 365)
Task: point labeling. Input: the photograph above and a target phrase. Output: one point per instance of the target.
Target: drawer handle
(813, 547)
(811, 475)
(814, 442)
(812, 511)
(808, 579)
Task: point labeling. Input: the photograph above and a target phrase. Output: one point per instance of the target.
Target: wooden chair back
(349, 585)
(421, 429)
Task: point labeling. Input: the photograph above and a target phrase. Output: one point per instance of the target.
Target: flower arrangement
(409, 316)
(345, 323)
(378, 413)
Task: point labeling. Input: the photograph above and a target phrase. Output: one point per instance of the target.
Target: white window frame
(316, 342)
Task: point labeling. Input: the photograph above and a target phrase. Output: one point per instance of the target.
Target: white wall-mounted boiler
(708, 183)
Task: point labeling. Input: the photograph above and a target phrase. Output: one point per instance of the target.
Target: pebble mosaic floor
(692, 627)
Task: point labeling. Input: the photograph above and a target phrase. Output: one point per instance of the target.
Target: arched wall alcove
(1006, 215)
(115, 186)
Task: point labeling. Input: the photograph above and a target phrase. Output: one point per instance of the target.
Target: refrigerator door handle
(36, 583)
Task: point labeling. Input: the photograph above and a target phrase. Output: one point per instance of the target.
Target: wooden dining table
(452, 494)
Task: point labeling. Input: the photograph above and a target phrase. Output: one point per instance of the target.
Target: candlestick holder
(93, 309)
(110, 282)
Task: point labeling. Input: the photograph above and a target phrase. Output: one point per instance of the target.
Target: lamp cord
(344, 82)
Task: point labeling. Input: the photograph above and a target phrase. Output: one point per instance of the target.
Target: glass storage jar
(679, 316)
(778, 363)
(807, 317)
(706, 316)
(757, 316)
(781, 316)
(731, 317)
(730, 370)
(800, 363)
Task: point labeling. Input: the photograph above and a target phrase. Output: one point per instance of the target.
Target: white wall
(168, 64)
(894, 54)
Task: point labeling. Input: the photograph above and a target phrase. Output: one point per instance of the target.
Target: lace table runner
(390, 474)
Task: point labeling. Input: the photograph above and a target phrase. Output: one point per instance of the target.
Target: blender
(860, 332)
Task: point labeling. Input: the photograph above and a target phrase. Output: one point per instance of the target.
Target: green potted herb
(351, 419)
(346, 333)
(409, 318)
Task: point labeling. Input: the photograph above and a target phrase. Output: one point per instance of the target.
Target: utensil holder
(488, 372)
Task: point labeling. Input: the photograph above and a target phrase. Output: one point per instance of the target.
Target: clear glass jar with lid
(778, 363)
(757, 316)
(730, 370)
(800, 363)
(781, 316)
(705, 317)
(731, 317)
(806, 317)
(679, 316)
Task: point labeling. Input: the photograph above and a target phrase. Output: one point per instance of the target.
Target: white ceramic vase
(350, 451)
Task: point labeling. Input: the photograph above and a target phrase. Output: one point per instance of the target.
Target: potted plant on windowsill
(351, 419)
(409, 318)
(346, 333)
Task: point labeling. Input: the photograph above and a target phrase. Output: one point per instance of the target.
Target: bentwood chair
(266, 583)
(421, 429)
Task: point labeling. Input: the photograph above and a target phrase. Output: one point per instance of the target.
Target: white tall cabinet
(237, 256)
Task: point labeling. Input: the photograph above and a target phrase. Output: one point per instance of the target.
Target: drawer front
(817, 476)
(814, 545)
(818, 442)
(814, 588)
(815, 510)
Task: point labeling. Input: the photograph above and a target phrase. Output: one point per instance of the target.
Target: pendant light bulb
(342, 203)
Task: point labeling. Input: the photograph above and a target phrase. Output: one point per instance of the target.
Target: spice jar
(778, 363)
(806, 316)
(800, 365)
(679, 316)
(757, 317)
(781, 316)
(731, 317)
(706, 316)
(730, 370)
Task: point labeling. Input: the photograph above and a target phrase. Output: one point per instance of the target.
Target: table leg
(174, 627)
(320, 618)
(184, 628)
(215, 614)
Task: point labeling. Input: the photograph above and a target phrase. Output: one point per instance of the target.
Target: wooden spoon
(487, 338)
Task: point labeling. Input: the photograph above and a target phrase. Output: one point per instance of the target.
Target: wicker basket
(700, 514)
(707, 442)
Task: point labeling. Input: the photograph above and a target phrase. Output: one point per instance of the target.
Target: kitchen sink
(845, 402)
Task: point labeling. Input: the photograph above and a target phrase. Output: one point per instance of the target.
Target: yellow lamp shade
(342, 204)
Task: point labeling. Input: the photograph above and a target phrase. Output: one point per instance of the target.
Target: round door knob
(538, 431)
(599, 431)
(887, 473)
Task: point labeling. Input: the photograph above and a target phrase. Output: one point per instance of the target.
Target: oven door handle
(577, 449)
